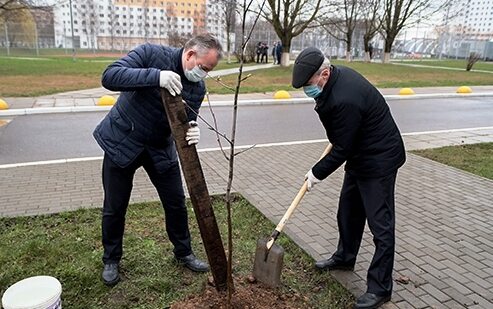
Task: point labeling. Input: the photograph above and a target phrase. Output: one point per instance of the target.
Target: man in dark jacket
(363, 133)
(136, 133)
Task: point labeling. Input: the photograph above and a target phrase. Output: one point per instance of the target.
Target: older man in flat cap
(358, 123)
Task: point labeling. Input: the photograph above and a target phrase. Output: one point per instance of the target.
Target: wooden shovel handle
(293, 205)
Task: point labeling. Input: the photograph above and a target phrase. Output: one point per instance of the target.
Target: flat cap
(306, 64)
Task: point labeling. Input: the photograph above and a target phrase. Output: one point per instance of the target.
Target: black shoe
(193, 263)
(370, 301)
(332, 264)
(110, 275)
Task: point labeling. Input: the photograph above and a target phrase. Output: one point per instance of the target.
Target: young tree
(371, 22)
(90, 22)
(289, 19)
(344, 26)
(399, 13)
(246, 33)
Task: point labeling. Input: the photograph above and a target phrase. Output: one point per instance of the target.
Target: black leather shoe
(111, 276)
(370, 301)
(332, 264)
(193, 263)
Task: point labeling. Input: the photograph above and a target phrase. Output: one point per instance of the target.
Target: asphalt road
(61, 136)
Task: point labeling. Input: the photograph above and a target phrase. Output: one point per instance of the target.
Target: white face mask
(196, 74)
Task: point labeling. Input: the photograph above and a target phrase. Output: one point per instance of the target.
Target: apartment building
(123, 24)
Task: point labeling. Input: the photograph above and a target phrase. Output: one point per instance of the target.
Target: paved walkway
(444, 215)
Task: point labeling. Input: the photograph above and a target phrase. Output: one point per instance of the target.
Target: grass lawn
(68, 247)
(461, 64)
(381, 75)
(20, 77)
(24, 77)
(476, 158)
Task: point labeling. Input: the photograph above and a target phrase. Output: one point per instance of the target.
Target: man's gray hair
(325, 65)
(203, 43)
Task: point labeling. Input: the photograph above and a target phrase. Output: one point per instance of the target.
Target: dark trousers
(371, 199)
(118, 182)
(266, 58)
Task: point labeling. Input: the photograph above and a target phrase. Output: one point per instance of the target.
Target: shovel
(269, 256)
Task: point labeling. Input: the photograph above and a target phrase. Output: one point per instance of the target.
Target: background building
(123, 24)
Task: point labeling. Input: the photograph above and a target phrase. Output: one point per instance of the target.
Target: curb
(254, 102)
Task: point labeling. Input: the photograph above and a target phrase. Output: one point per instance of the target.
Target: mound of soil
(248, 295)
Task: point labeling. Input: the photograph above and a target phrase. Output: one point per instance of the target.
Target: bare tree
(399, 13)
(246, 33)
(113, 24)
(473, 58)
(289, 19)
(370, 9)
(89, 22)
(344, 26)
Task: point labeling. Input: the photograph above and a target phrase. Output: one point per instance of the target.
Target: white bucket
(40, 292)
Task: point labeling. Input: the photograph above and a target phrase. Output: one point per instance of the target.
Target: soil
(247, 295)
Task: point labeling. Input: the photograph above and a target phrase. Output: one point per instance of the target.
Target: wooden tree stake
(197, 188)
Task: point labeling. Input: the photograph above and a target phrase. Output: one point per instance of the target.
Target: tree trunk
(389, 41)
(286, 46)
(348, 56)
(367, 56)
(386, 58)
(228, 47)
(285, 59)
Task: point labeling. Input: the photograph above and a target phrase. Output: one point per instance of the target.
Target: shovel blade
(268, 264)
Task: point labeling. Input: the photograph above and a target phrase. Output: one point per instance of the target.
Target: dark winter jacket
(359, 125)
(138, 121)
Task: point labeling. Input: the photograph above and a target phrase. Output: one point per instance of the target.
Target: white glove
(171, 81)
(193, 133)
(311, 180)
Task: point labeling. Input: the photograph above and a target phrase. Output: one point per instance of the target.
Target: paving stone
(443, 215)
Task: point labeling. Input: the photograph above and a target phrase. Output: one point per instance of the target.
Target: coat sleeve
(345, 126)
(132, 72)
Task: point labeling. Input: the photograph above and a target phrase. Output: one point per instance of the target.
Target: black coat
(359, 125)
(138, 121)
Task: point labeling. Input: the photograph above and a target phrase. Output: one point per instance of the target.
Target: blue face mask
(313, 91)
(196, 74)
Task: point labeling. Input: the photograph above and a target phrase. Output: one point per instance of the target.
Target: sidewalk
(444, 215)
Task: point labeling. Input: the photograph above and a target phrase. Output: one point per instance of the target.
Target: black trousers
(118, 183)
(369, 199)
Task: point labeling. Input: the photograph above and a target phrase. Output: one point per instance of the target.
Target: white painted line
(446, 131)
(314, 141)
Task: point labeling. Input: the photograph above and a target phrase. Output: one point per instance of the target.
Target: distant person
(364, 135)
(274, 53)
(136, 133)
(258, 51)
(279, 52)
(265, 53)
(370, 51)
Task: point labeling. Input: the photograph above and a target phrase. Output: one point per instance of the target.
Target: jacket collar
(322, 98)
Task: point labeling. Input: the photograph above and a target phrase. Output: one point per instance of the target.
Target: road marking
(59, 161)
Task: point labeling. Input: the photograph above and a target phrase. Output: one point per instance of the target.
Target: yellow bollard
(106, 100)
(3, 104)
(406, 91)
(464, 89)
(282, 94)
